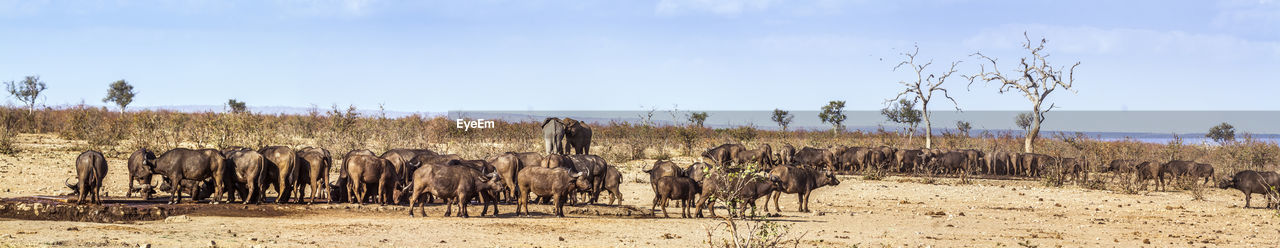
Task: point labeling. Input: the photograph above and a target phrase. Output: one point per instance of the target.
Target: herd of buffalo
(729, 174)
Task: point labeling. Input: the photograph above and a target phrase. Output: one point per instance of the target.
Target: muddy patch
(120, 210)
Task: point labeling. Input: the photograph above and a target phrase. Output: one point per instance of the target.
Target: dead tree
(921, 90)
(1035, 78)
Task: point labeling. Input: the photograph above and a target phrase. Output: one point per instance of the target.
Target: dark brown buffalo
(141, 164)
(1174, 170)
(998, 163)
(1120, 165)
(282, 164)
(1202, 170)
(200, 190)
(594, 166)
(1147, 171)
(246, 170)
(1072, 168)
(800, 181)
(1253, 182)
(853, 159)
(508, 166)
(91, 168)
(952, 162)
(400, 157)
(372, 172)
(885, 157)
(196, 165)
(577, 137)
(785, 155)
(814, 157)
(661, 168)
(455, 184)
(612, 183)
(909, 160)
(724, 187)
(724, 154)
(762, 156)
(1030, 164)
(317, 162)
(557, 183)
(677, 188)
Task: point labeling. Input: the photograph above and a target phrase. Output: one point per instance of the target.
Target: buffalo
(1253, 182)
(455, 183)
(677, 188)
(372, 172)
(196, 165)
(558, 183)
(281, 163)
(800, 181)
(246, 169)
(91, 168)
(141, 166)
(724, 154)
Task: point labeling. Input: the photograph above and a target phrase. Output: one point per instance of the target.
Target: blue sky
(621, 55)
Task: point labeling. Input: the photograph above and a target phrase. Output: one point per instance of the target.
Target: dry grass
(344, 129)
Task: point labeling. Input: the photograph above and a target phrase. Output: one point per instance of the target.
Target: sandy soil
(895, 212)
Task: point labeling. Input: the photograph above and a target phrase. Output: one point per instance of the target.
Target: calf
(662, 168)
(612, 181)
(677, 188)
(1253, 182)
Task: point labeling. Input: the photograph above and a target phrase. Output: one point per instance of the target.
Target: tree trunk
(1035, 130)
(928, 126)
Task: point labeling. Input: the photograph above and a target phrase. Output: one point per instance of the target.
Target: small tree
(1034, 77)
(833, 113)
(903, 112)
(964, 127)
(236, 106)
(921, 89)
(121, 93)
(697, 118)
(1023, 120)
(783, 118)
(1222, 133)
(28, 91)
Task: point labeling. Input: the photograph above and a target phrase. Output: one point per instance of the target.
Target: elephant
(578, 135)
(553, 130)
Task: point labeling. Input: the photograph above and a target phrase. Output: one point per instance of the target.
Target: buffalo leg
(664, 203)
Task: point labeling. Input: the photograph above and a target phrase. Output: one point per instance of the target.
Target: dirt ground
(893, 212)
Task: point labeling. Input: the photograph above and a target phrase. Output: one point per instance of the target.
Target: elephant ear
(549, 119)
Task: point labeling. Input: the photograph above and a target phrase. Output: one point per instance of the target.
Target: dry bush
(751, 234)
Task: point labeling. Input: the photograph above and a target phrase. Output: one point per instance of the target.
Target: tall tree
(28, 91)
(236, 107)
(121, 93)
(903, 112)
(833, 113)
(1222, 133)
(1034, 77)
(922, 88)
(783, 118)
(697, 118)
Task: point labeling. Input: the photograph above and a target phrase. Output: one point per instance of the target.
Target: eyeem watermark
(466, 125)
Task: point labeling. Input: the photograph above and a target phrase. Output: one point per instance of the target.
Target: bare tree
(1035, 78)
(28, 91)
(921, 90)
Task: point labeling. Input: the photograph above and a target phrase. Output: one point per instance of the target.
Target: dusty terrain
(895, 211)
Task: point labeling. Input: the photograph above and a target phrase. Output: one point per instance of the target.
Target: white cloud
(719, 7)
(1125, 41)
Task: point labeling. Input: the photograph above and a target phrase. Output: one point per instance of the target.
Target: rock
(177, 219)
